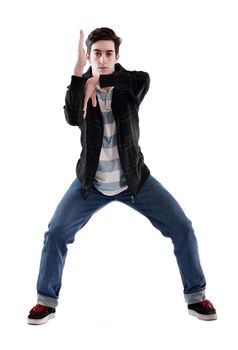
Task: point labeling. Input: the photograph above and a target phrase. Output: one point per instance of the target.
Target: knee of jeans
(179, 230)
(184, 233)
(59, 234)
(184, 227)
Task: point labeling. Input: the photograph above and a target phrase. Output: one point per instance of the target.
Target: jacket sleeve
(137, 82)
(73, 108)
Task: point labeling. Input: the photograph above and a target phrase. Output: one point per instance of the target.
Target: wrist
(96, 79)
(78, 70)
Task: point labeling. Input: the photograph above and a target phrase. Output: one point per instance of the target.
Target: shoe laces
(39, 308)
(207, 304)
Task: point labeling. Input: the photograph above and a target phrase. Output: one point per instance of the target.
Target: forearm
(74, 98)
(137, 82)
(78, 70)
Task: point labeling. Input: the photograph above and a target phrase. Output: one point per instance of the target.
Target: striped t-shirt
(109, 178)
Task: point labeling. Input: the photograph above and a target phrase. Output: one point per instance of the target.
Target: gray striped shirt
(109, 178)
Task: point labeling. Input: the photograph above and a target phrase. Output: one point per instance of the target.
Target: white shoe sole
(212, 317)
(40, 321)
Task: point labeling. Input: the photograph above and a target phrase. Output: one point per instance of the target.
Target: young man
(104, 104)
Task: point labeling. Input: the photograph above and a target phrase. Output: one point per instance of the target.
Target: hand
(90, 92)
(81, 61)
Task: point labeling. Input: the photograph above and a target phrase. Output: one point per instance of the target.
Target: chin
(104, 72)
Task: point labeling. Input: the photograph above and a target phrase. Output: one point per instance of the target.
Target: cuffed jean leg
(163, 211)
(72, 213)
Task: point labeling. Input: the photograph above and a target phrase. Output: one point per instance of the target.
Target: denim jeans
(153, 201)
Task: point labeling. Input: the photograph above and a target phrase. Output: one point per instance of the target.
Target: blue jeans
(153, 201)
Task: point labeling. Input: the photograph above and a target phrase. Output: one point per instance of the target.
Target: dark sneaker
(203, 310)
(40, 314)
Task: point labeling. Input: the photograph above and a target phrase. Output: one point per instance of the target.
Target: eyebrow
(97, 50)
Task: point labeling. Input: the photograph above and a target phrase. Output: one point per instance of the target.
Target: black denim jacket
(129, 90)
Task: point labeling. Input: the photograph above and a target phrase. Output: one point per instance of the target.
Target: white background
(121, 285)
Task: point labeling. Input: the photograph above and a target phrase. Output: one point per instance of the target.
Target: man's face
(102, 57)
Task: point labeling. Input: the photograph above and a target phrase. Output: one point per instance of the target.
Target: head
(102, 50)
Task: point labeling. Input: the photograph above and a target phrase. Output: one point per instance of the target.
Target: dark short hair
(103, 33)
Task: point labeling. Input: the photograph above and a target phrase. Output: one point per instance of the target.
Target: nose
(103, 59)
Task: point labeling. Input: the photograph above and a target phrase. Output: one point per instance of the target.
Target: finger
(94, 99)
(81, 38)
(85, 109)
(84, 113)
(85, 105)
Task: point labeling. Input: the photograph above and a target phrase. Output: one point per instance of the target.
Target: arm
(137, 82)
(81, 61)
(73, 108)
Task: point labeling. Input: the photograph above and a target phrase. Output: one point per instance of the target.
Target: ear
(88, 57)
(117, 57)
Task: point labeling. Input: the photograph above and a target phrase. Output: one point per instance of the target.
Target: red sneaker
(203, 310)
(40, 314)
